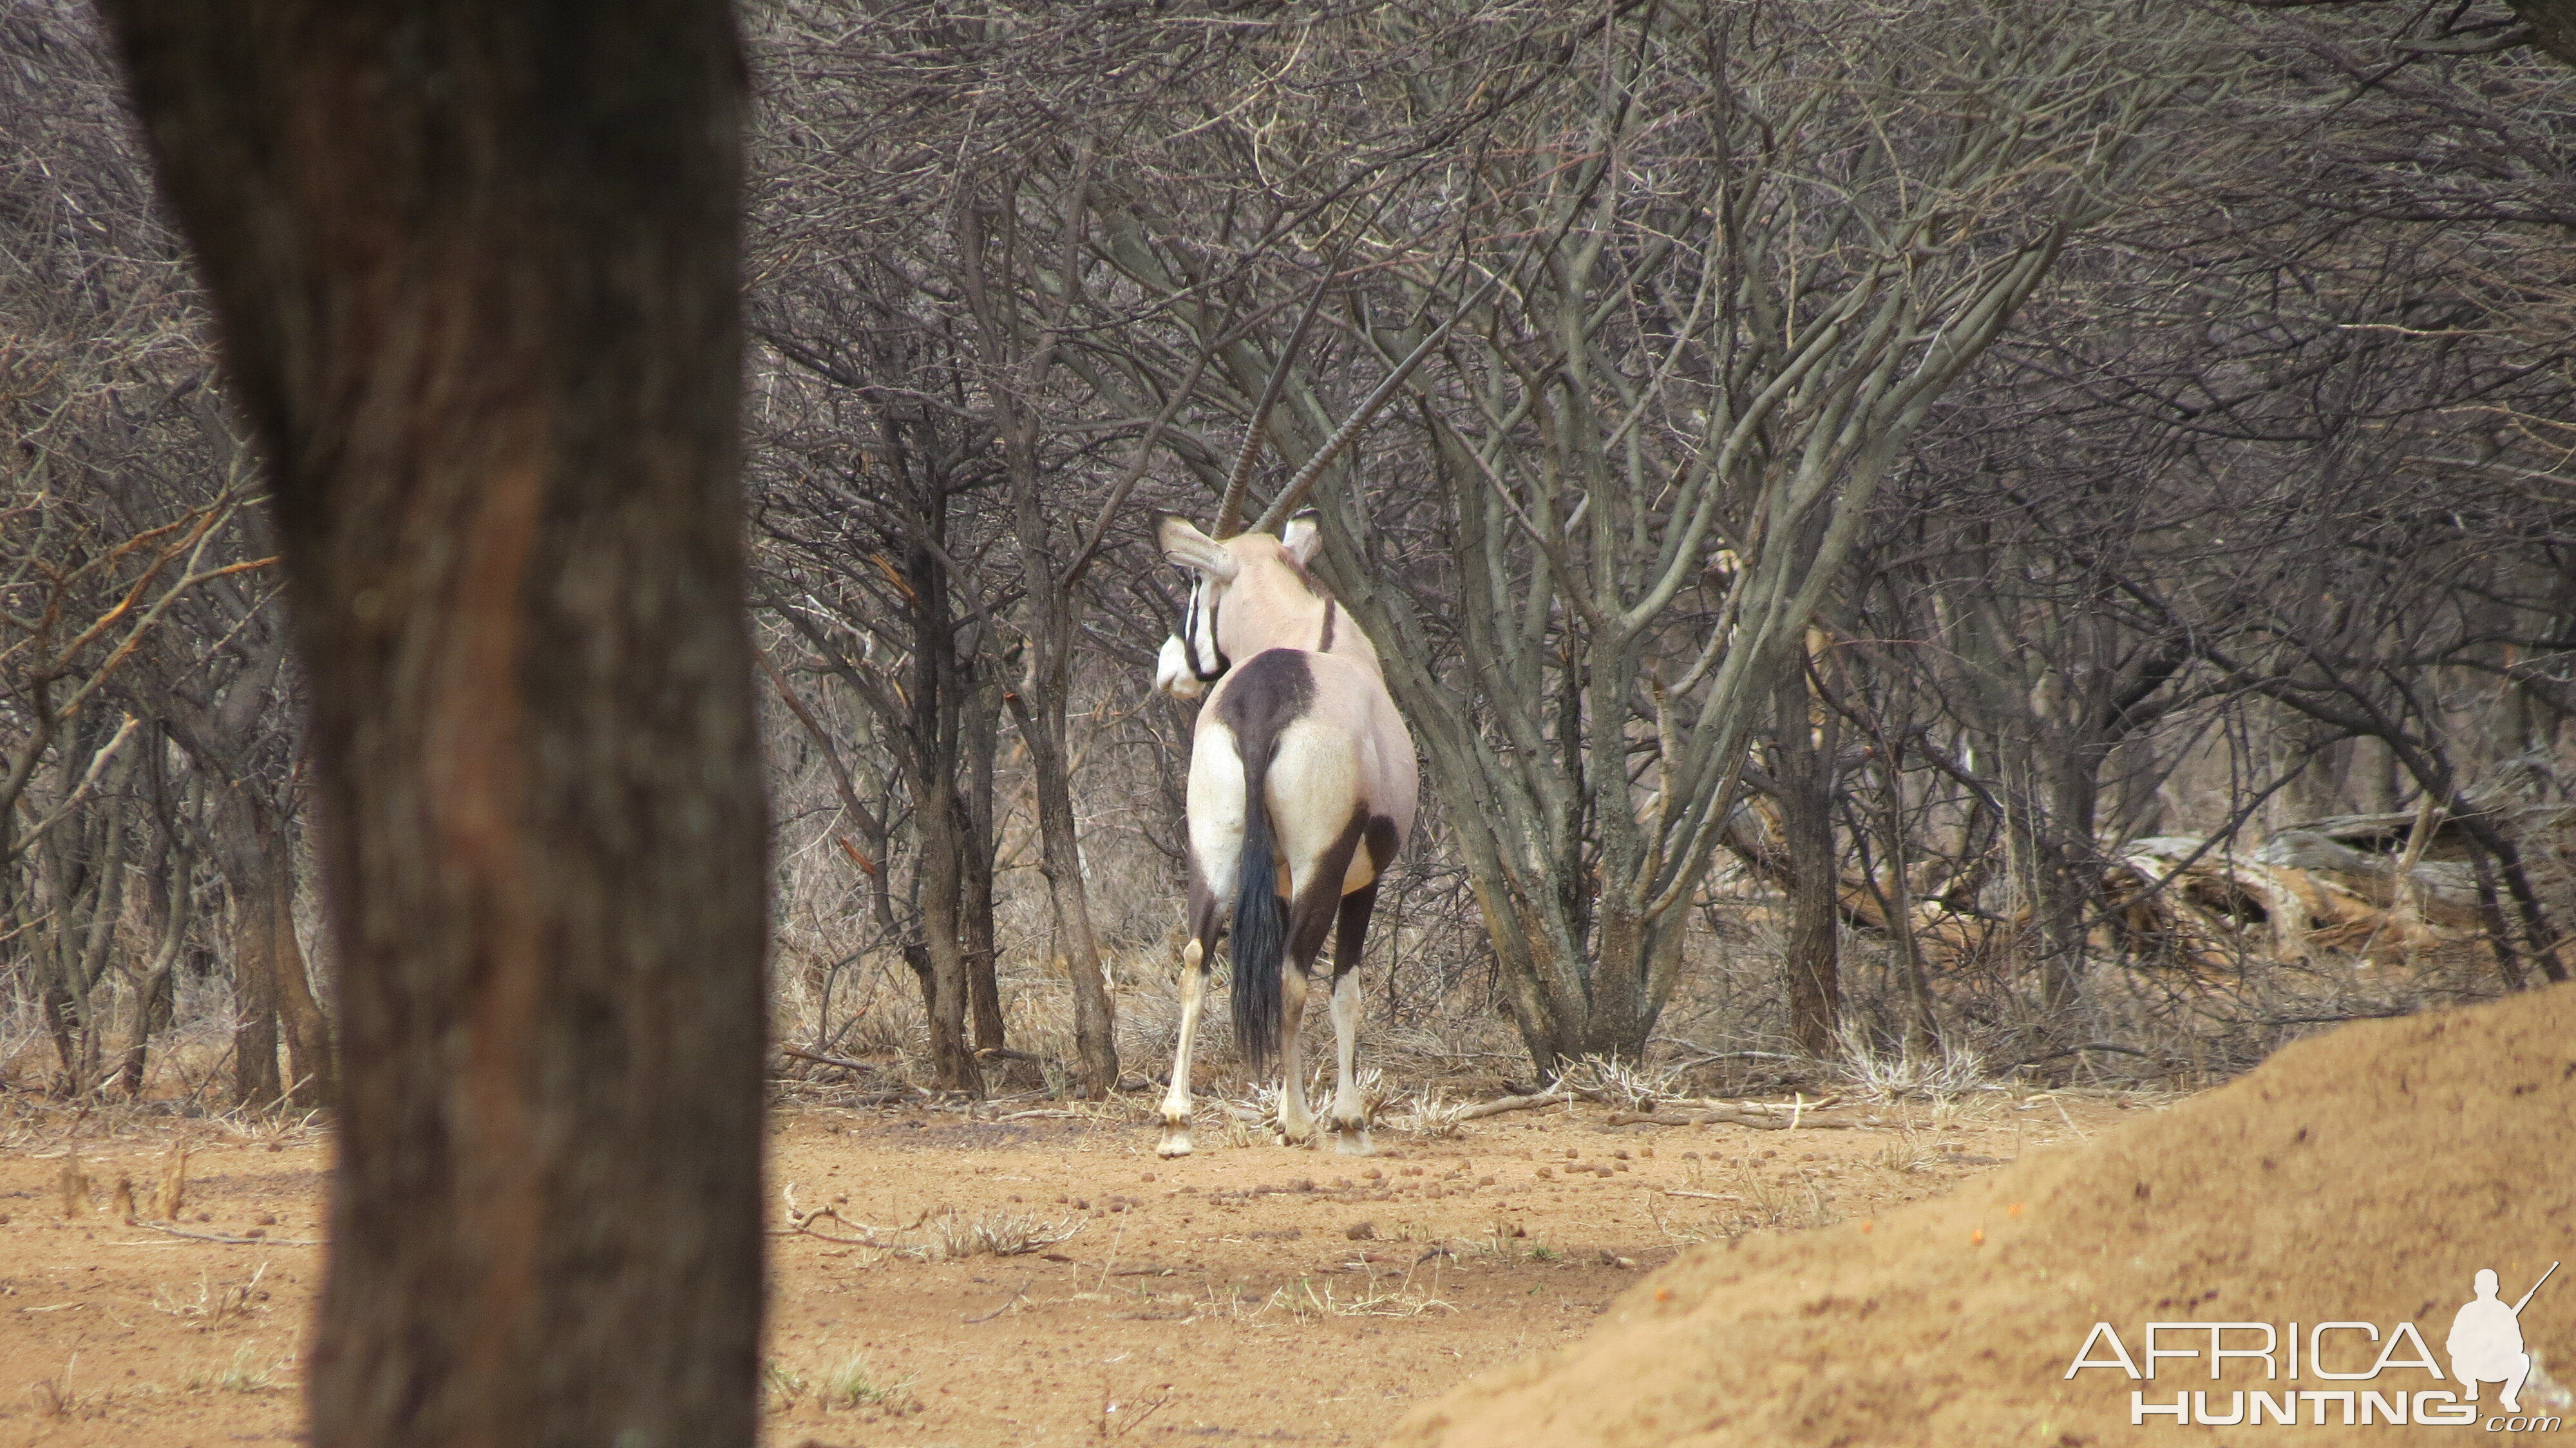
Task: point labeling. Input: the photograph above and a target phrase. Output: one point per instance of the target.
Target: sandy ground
(2356, 1184)
(1250, 1291)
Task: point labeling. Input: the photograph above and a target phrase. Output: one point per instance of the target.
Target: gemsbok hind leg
(1194, 974)
(1350, 1113)
(1310, 920)
(1296, 1122)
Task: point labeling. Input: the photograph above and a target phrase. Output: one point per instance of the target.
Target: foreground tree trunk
(475, 267)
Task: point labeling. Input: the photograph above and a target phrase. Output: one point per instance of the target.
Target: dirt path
(1247, 1292)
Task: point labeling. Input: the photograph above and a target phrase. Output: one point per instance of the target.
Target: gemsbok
(1302, 789)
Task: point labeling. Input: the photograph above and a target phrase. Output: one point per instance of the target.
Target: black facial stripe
(1190, 637)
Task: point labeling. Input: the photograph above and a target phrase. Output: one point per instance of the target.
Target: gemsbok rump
(1302, 790)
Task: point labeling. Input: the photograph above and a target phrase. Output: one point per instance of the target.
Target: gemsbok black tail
(1260, 931)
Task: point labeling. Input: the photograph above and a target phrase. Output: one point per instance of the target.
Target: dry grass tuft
(1627, 1085)
(997, 1234)
(216, 1306)
(1953, 1072)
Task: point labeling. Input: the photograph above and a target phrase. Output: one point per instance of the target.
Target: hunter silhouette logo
(2486, 1341)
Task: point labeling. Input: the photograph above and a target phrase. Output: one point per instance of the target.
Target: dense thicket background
(2039, 533)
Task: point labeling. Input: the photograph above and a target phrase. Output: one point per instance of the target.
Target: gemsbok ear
(1190, 548)
(1299, 539)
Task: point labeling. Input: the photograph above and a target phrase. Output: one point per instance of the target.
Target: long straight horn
(1229, 512)
(1292, 497)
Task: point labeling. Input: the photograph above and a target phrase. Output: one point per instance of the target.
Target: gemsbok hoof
(1174, 1143)
(1352, 1141)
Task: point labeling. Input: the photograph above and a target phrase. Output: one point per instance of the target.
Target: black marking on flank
(1321, 899)
(1382, 841)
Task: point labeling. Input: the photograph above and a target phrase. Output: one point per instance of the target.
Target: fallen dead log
(226, 1238)
(1734, 1116)
(1484, 1109)
(855, 1067)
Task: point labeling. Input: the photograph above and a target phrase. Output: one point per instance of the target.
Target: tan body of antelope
(1302, 790)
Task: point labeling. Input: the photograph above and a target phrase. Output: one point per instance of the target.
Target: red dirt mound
(2363, 1176)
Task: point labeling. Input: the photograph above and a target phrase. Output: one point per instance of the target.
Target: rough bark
(272, 991)
(1804, 789)
(936, 696)
(978, 733)
(475, 268)
(1095, 1045)
(257, 1083)
(169, 903)
(1038, 706)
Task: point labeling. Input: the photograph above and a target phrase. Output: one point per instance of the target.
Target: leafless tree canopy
(2034, 529)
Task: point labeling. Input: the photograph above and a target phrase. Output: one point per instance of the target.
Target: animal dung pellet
(1690, 1156)
(1060, 1201)
(1302, 1184)
(1341, 1184)
(1413, 1171)
(1546, 1172)
(1623, 1166)
(1149, 1176)
(1081, 1204)
(1647, 1152)
(1361, 1231)
(1484, 1181)
(1619, 1156)
(1571, 1154)
(1373, 1174)
(265, 1219)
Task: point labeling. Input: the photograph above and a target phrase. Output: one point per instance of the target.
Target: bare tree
(1733, 296)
